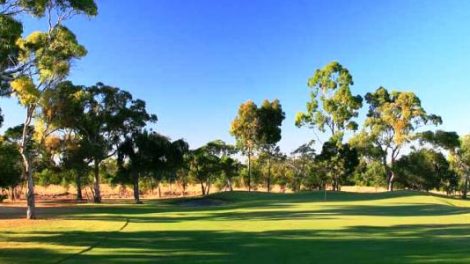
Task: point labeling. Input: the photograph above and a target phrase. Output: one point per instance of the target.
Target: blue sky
(195, 62)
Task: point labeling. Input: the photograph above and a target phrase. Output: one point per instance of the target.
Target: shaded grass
(400, 227)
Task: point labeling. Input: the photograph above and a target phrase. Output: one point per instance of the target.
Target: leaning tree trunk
(203, 189)
(96, 183)
(136, 188)
(27, 165)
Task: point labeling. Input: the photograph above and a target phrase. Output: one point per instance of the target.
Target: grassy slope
(401, 227)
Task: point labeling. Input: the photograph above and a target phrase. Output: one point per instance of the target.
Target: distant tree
(204, 166)
(341, 161)
(228, 166)
(144, 153)
(390, 124)
(306, 171)
(425, 169)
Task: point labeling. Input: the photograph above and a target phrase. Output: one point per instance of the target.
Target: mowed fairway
(240, 227)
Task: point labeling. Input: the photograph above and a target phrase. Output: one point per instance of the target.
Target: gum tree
(39, 62)
(390, 125)
(331, 110)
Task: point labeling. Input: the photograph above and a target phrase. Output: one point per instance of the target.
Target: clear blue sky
(194, 62)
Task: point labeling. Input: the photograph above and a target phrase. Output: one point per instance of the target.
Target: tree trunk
(229, 183)
(12, 193)
(208, 187)
(269, 175)
(390, 179)
(136, 188)
(159, 191)
(465, 188)
(79, 187)
(249, 171)
(96, 183)
(203, 189)
(27, 165)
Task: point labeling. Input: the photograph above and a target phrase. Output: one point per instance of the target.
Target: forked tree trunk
(96, 183)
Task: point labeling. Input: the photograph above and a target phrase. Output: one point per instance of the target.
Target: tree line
(87, 135)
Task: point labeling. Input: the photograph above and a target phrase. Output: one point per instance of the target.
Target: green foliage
(10, 165)
(425, 169)
(332, 105)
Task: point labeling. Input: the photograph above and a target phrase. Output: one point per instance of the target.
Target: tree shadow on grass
(359, 244)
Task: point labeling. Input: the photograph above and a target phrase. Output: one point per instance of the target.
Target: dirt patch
(201, 203)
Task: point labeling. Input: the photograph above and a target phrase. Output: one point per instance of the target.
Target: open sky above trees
(194, 62)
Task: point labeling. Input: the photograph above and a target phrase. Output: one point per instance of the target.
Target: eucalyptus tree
(257, 128)
(204, 165)
(332, 105)
(331, 109)
(245, 128)
(109, 116)
(270, 117)
(390, 125)
(458, 149)
(37, 63)
(424, 170)
(228, 166)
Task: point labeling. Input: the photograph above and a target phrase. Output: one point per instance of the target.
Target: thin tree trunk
(208, 187)
(269, 175)
(203, 189)
(136, 188)
(27, 165)
(159, 190)
(96, 183)
(229, 183)
(249, 171)
(79, 187)
(465, 188)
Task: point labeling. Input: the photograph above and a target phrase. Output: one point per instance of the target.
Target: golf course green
(242, 227)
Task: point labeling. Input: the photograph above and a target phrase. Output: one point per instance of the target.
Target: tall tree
(391, 122)
(40, 61)
(331, 109)
(270, 116)
(245, 128)
(109, 116)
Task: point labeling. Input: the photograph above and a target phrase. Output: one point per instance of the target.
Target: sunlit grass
(401, 227)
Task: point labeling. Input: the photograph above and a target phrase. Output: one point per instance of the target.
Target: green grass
(399, 227)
